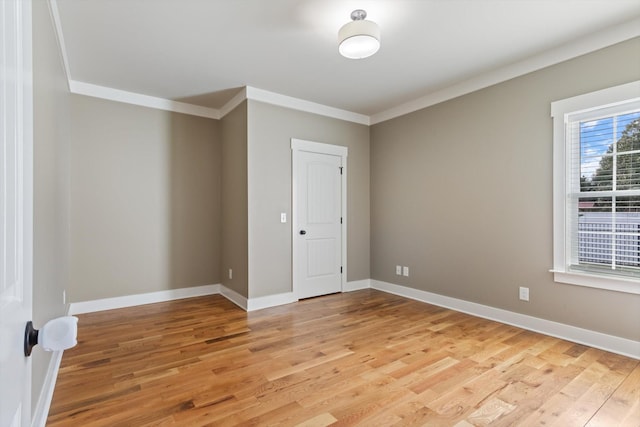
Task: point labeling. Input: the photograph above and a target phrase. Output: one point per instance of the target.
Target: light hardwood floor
(362, 358)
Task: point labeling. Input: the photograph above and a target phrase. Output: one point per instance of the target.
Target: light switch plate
(283, 217)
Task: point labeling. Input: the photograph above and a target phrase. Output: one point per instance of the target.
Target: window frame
(561, 111)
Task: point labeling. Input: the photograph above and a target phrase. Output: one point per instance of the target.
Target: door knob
(303, 232)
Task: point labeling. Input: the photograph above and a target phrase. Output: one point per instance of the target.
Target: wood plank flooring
(362, 358)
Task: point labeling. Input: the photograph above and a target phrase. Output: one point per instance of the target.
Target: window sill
(618, 284)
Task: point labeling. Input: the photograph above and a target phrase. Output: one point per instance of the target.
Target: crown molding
(118, 95)
(591, 43)
(565, 52)
(248, 92)
(57, 29)
(234, 102)
(273, 98)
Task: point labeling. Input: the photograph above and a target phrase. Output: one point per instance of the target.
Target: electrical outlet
(230, 274)
(398, 270)
(405, 271)
(524, 293)
(283, 217)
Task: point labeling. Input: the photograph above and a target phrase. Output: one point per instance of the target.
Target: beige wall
(140, 200)
(51, 128)
(462, 194)
(269, 182)
(234, 201)
(145, 200)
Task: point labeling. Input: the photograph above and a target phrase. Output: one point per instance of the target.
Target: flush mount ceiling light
(359, 38)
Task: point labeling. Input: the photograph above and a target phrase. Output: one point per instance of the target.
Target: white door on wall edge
(318, 218)
(16, 170)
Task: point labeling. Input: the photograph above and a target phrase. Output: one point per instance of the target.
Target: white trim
(273, 98)
(600, 40)
(594, 339)
(118, 95)
(585, 45)
(322, 148)
(600, 98)
(62, 47)
(319, 147)
(43, 405)
(599, 340)
(623, 346)
(140, 299)
(174, 294)
(234, 297)
(270, 301)
(357, 285)
(619, 284)
(233, 102)
(248, 92)
(562, 112)
(16, 112)
(41, 412)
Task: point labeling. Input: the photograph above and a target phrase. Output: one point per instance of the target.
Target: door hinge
(340, 269)
(340, 167)
(340, 220)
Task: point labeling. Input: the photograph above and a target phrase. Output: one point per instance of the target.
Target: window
(597, 189)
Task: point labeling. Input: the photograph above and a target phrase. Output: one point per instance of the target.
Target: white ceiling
(201, 51)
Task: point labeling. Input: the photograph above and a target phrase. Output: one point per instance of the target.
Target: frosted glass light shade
(359, 39)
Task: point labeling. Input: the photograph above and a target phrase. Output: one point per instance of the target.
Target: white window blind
(603, 190)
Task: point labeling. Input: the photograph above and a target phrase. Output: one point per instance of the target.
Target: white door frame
(321, 148)
(16, 295)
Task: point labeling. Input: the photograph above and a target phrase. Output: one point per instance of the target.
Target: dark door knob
(303, 232)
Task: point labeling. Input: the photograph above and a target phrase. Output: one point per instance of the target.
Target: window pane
(606, 236)
(627, 253)
(628, 204)
(596, 155)
(600, 157)
(595, 225)
(628, 132)
(628, 171)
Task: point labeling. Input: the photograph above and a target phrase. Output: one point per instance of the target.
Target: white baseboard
(271, 301)
(41, 411)
(140, 299)
(173, 294)
(234, 297)
(289, 297)
(250, 304)
(599, 340)
(356, 285)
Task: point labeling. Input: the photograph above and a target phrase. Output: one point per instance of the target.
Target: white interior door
(318, 221)
(16, 211)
